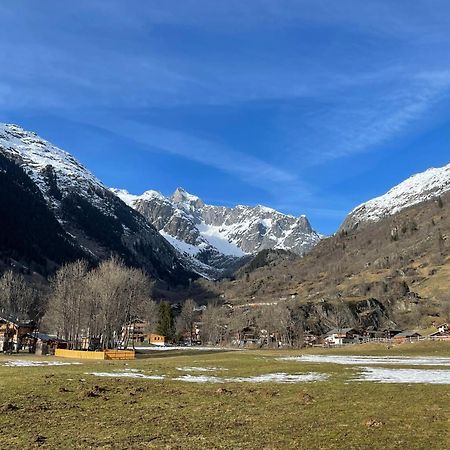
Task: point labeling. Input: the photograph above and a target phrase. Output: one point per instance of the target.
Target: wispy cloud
(363, 113)
(249, 169)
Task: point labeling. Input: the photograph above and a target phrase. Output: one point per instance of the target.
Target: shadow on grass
(170, 353)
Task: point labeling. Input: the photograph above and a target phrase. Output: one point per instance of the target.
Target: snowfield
(404, 376)
(268, 378)
(25, 363)
(370, 360)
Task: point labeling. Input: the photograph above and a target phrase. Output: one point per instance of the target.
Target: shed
(156, 339)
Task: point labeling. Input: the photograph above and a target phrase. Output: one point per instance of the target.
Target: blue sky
(310, 107)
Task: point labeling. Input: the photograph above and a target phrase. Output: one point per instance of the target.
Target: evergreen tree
(165, 325)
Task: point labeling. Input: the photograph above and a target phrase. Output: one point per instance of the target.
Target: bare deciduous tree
(68, 302)
(215, 324)
(149, 313)
(185, 321)
(103, 303)
(276, 321)
(118, 293)
(17, 298)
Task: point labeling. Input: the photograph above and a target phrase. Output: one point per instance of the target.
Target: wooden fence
(104, 355)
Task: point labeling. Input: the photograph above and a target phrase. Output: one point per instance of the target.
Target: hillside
(55, 211)
(394, 271)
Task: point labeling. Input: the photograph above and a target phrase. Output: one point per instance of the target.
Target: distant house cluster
(21, 335)
(343, 336)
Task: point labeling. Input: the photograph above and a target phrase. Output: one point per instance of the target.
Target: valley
(386, 266)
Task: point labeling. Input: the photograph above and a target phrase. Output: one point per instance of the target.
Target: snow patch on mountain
(51, 168)
(416, 189)
(37, 154)
(181, 246)
(217, 238)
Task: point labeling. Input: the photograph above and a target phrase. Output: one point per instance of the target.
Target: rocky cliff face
(216, 236)
(76, 210)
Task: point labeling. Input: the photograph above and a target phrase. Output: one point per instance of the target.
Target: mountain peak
(181, 195)
(417, 189)
(216, 236)
(38, 154)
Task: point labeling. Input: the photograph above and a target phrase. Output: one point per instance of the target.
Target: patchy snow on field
(200, 369)
(200, 379)
(268, 378)
(370, 360)
(406, 376)
(126, 374)
(26, 363)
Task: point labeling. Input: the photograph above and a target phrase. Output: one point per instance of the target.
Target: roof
(339, 331)
(440, 333)
(45, 337)
(16, 321)
(407, 334)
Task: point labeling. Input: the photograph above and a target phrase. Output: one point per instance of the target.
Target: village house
(406, 336)
(14, 333)
(442, 333)
(310, 339)
(135, 332)
(386, 333)
(341, 336)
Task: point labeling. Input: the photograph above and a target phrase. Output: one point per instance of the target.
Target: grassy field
(66, 407)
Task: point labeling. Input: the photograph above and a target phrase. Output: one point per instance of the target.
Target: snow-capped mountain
(84, 214)
(48, 166)
(416, 189)
(218, 235)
